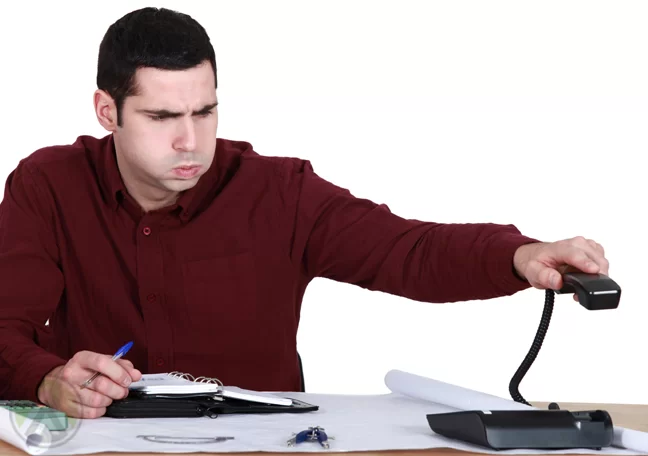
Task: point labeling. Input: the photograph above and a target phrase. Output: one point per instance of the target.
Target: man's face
(168, 135)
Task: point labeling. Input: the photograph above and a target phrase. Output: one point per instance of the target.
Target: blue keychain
(311, 434)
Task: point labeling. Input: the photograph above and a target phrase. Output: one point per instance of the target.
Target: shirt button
(159, 362)
(151, 297)
(146, 231)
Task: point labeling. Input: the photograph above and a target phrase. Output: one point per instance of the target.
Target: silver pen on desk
(121, 352)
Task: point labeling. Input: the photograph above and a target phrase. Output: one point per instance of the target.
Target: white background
(531, 113)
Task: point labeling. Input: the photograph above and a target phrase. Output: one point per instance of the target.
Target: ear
(106, 110)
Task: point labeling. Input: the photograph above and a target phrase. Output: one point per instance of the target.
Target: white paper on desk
(392, 421)
(454, 396)
(447, 394)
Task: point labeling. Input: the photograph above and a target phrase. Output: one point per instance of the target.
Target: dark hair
(149, 37)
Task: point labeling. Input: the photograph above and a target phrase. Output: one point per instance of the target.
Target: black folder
(138, 405)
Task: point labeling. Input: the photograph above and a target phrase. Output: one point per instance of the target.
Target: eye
(205, 114)
(157, 118)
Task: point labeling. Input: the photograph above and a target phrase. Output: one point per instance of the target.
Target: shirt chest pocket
(221, 291)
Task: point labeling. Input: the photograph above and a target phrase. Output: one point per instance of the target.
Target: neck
(149, 202)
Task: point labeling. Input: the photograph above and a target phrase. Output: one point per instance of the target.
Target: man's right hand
(60, 388)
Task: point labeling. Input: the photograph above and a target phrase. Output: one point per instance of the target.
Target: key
(323, 439)
(291, 441)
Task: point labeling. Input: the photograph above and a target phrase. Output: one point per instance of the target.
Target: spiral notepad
(178, 383)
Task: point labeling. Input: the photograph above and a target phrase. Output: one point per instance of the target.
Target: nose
(186, 136)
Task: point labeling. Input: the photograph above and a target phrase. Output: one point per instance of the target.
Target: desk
(624, 415)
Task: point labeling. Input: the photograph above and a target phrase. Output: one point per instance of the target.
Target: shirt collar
(108, 172)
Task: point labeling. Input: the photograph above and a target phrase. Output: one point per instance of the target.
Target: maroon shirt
(213, 285)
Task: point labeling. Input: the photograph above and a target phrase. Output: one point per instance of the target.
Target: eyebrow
(166, 113)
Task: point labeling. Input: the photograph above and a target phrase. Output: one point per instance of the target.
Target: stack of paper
(165, 384)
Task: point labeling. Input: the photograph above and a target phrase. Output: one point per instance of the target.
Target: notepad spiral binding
(191, 378)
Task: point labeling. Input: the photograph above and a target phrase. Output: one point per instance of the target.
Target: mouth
(186, 171)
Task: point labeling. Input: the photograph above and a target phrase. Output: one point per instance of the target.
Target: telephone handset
(594, 291)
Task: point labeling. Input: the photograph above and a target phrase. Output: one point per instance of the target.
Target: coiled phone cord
(533, 351)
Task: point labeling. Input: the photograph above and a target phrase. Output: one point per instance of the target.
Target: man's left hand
(542, 264)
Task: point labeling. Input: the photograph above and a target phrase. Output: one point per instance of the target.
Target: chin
(181, 186)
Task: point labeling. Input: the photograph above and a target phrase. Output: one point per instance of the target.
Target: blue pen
(121, 352)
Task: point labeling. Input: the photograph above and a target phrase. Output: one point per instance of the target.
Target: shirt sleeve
(354, 240)
(32, 284)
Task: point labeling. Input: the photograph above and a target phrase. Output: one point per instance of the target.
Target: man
(198, 249)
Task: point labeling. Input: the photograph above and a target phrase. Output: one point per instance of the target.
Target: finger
(125, 363)
(597, 253)
(77, 376)
(78, 410)
(92, 413)
(596, 246)
(101, 384)
(105, 365)
(94, 399)
(108, 388)
(76, 402)
(134, 374)
(578, 258)
(72, 376)
(540, 276)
